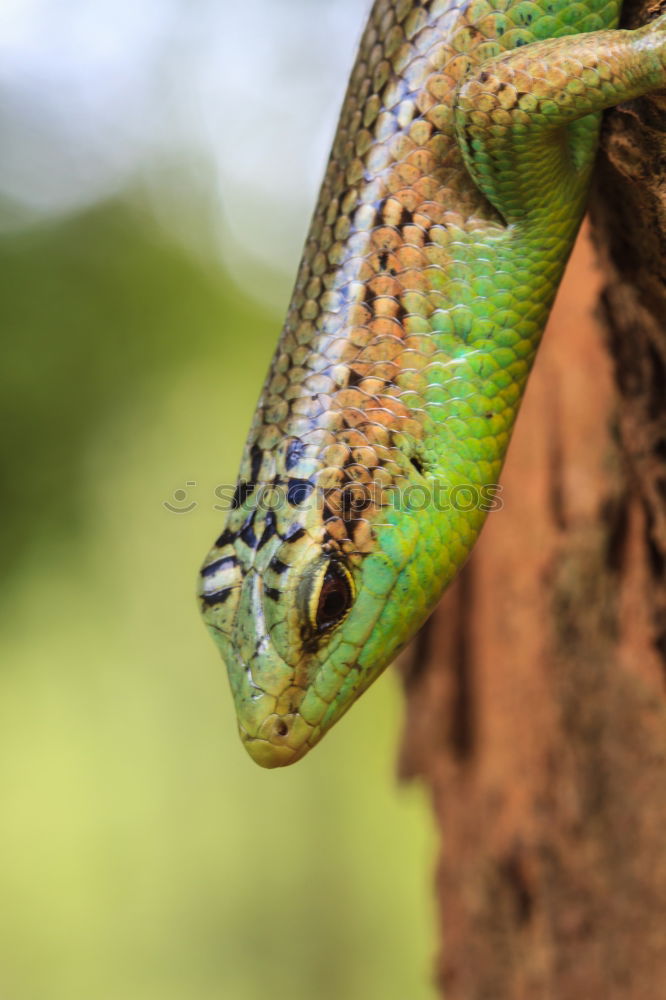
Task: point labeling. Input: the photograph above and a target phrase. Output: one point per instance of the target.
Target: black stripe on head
(241, 493)
(247, 531)
(272, 593)
(217, 598)
(298, 490)
(227, 563)
(295, 532)
(270, 529)
(226, 538)
(256, 457)
(278, 566)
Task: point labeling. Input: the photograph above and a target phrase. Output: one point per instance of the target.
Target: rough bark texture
(536, 701)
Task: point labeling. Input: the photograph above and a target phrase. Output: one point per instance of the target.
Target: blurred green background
(158, 165)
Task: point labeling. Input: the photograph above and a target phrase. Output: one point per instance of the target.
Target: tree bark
(536, 705)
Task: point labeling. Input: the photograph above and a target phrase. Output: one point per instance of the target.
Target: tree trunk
(536, 708)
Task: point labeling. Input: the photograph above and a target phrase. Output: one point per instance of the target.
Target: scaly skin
(452, 197)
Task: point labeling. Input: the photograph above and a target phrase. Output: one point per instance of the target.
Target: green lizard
(454, 191)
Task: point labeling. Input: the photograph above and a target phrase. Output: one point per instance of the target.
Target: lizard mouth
(280, 740)
(282, 708)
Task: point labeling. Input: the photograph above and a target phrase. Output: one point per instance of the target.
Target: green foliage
(95, 310)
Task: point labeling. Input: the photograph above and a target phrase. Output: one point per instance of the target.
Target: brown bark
(536, 704)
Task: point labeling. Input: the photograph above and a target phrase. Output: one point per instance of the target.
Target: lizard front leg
(527, 122)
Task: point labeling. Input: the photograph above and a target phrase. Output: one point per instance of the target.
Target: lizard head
(308, 607)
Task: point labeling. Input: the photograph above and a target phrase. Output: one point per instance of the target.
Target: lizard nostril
(281, 728)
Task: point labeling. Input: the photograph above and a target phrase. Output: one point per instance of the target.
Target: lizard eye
(332, 596)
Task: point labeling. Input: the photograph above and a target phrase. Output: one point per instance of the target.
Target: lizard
(452, 197)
